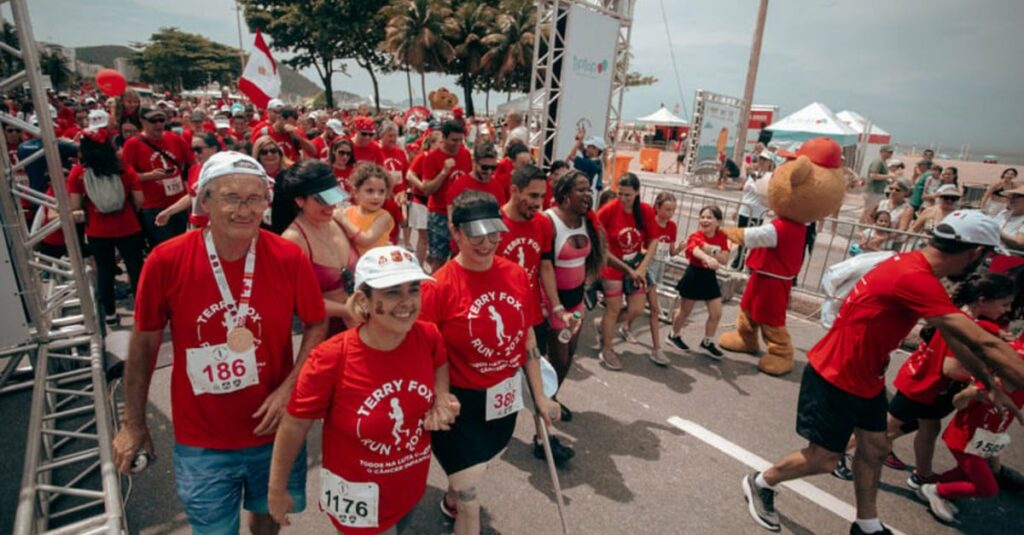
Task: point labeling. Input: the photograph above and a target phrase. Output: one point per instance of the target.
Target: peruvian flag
(260, 81)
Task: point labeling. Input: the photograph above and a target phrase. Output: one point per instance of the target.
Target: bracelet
(558, 308)
(533, 353)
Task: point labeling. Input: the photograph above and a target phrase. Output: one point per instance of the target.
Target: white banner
(587, 68)
(719, 127)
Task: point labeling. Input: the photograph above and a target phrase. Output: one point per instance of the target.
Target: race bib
(173, 186)
(987, 444)
(352, 504)
(661, 251)
(219, 370)
(505, 397)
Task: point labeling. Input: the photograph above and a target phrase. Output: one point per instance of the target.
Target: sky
(943, 72)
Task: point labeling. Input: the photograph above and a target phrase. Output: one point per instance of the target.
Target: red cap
(457, 112)
(101, 135)
(365, 124)
(820, 150)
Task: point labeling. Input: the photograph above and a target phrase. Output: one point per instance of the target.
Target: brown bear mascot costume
(803, 190)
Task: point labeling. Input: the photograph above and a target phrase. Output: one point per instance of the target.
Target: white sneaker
(627, 335)
(939, 506)
(658, 357)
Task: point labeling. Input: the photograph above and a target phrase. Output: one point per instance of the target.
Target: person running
(577, 255)
(442, 166)
(977, 433)
(662, 246)
(627, 222)
(931, 376)
(485, 355)
(204, 146)
(707, 250)
(842, 392)
(380, 389)
(306, 203)
(367, 224)
(230, 293)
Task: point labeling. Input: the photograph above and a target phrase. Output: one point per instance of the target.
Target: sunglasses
(265, 152)
(488, 167)
(197, 149)
(365, 133)
(157, 121)
(343, 152)
(950, 199)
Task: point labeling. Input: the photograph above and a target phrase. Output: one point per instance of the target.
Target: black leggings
(130, 248)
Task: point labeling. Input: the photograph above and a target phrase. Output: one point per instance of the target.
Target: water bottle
(566, 333)
(140, 463)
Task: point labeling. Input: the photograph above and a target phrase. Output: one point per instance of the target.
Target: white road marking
(756, 462)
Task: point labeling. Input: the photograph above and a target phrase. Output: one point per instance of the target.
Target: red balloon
(111, 82)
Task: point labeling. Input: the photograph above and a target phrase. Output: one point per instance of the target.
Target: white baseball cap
(948, 190)
(98, 119)
(969, 226)
(275, 104)
(596, 142)
(229, 163)
(336, 127)
(384, 267)
(221, 122)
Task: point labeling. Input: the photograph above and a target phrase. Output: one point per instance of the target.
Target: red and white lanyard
(235, 313)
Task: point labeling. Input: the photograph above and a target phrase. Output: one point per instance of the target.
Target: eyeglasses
(197, 149)
(494, 237)
(234, 202)
(264, 152)
(488, 167)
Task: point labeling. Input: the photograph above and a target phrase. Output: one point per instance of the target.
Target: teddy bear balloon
(802, 191)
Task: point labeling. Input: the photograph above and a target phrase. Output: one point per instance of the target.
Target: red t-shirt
(416, 166)
(373, 404)
(367, 153)
(396, 160)
(433, 164)
(525, 243)
(697, 239)
(391, 206)
(624, 238)
(342, 175)
(114, 225)
(666, 237)
(289, 147)
(483, 316)
(198, 221)
(138, 155)
(877, 314)
(503, 174)
(921, 378)
(980, 415)
(468, 183)
(321, 147)
(177, 286)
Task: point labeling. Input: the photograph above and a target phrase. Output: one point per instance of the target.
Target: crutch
(550, 458)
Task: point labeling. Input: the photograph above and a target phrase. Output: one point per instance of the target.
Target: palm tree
(415, 34)
(471, 22)
(53, 65)
(510, 45)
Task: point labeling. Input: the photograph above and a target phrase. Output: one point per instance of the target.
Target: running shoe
(112, 319)
(894, 462)
(627, 335)
(842, 470)
(559, 452)
(447, 510)
(590, 297)
(711, 349)
(658, 357)
(1009, 479)
(939, 506)
(760, 503)
(566, 413)
(915, 481)
(611, 363)
(855, 530)
(677, 341)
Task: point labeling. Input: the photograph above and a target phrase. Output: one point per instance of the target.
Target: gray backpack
(106, 193)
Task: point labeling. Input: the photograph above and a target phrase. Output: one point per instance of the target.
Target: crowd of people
(434, 267)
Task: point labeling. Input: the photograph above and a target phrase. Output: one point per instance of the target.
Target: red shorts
(766, 298)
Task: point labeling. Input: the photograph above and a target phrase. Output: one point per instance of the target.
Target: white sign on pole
(587, 70)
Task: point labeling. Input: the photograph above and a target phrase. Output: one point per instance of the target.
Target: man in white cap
(843, 387)
(589, 162)
(331, 131)
(230, 292)
(264, 127)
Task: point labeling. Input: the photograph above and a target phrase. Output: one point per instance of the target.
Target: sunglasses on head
(271, 150)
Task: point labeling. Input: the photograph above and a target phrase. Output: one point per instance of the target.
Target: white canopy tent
(814, 120)
(854, 120)
(663, 117)
(517, 104)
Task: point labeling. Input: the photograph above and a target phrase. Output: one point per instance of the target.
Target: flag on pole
(260, 81)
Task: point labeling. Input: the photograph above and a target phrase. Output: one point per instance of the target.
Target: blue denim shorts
(438, 236)
(213, 484)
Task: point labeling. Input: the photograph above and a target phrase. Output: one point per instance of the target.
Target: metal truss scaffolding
(546, 77)
(69, 484)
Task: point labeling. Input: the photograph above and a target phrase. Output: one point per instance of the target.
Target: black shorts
(826, 415)
(699, 284)
(909, 411)
(472, 440)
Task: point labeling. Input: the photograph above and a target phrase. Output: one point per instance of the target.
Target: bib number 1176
(351, 504)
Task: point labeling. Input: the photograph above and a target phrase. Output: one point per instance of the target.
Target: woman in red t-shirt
(380, 388)
(485, 309)
(204, 145)
(113, 228)
(627, 223)
(707, 250)
(342, 160)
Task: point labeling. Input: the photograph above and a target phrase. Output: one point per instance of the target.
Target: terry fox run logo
(495, 321)
(520, 250)
(212, 322)
(382, 425)
(629, 239)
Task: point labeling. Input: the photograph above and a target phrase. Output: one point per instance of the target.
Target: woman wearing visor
(309, 193)
(483, 306)
(379, 388)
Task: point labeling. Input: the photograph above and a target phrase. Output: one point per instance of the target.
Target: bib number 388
(352, 504)
(987, 444)
(505, 397)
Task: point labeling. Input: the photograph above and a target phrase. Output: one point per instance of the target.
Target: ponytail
(632, 181)
(989, 286)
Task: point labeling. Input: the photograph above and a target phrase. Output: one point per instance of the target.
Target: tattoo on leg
(467, 495)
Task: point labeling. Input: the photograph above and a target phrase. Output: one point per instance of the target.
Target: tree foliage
(415, 35)
(56, 67)
(178, 60)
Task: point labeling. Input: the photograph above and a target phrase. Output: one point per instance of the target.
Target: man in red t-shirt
(229, 292)
(441, 167)
(364, 147)
(323, 142)
(161, 159)
(485, 159)
(286, 132)
(843, 387)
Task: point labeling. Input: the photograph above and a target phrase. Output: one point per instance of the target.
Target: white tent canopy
(858, 122)
(517, 104)
(663, 117)
(814, 120)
